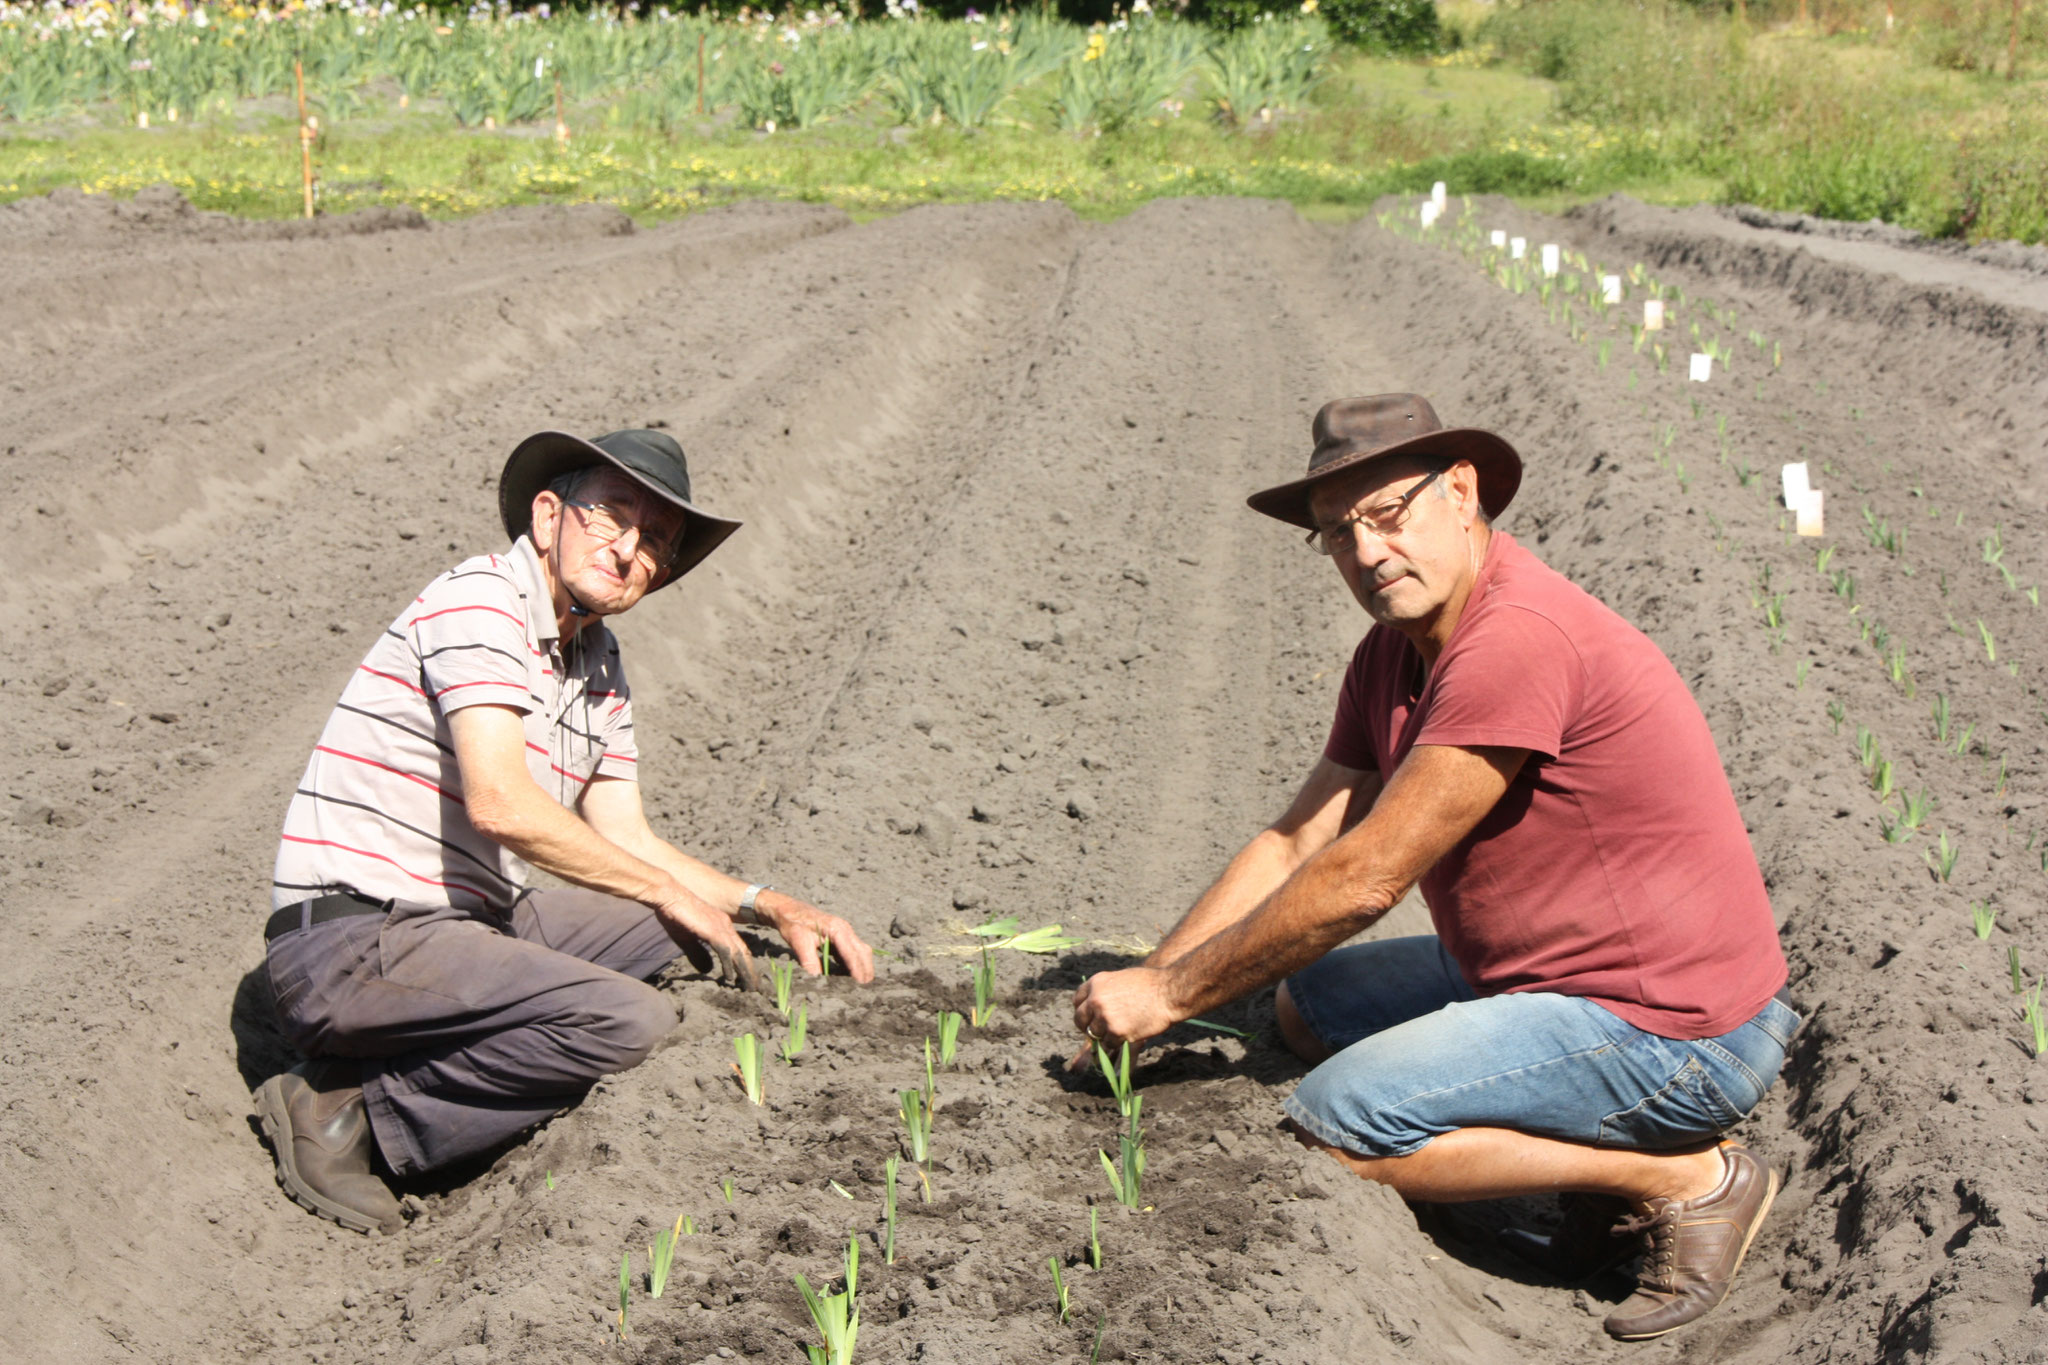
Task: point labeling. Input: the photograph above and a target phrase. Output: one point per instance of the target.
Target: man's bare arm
(1332, 798)
(1432, 801)
(508, 807)
(613, 808)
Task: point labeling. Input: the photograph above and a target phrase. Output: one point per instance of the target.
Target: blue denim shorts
(1417, 1054)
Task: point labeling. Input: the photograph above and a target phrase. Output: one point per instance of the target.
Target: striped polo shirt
(380, 810)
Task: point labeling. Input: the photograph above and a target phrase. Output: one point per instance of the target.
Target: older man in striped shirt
(445, 1006)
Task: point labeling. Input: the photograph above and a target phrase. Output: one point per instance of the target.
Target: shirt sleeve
(1350, 742)
(615, 718)
(470, 631)
(1515, 682)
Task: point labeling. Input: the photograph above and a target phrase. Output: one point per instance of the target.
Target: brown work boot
(1695, 1246)
(1585, 1243)
(314, 1117)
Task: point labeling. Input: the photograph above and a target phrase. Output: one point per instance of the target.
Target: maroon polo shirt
(1616, 866)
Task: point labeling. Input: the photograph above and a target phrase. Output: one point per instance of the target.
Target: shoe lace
(1659, 1229)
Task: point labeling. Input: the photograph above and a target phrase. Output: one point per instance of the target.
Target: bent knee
(1301, 1040)
(633, 1023)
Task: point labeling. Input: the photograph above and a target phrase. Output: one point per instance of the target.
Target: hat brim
(545, 456)
(1499, 466)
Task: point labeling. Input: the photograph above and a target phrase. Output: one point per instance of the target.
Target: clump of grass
(748, 1049)
(799, 1025)
(836, 1316)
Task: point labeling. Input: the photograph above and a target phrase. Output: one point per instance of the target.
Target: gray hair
(569, 483)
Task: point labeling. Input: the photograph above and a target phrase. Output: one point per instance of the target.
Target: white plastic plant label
(1807, 516)
(1610, 289)
(1518, 247)
(1702, 367)
(1796, 485)
(1653, 315)
(1550, 258)
(1497, 239)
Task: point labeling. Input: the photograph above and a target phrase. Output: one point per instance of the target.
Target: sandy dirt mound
(999, 638)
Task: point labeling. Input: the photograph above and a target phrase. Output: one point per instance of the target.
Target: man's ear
(1464, 480)
(547, 519)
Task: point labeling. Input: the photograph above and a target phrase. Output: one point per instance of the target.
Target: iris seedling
(748, 1049)
(1942, 858)
(889, 1168)
(1094, 1242)
(2036, 1020)
(1059, 1287)
(799, 1023)
(1990, 648)
(725, 1188)
(824, 959)
(1983, 915)
(1915, 808)
(949, 1036)
(1118, 1074)
(782, 975)
(1941, 716)
(1837, 713)
(1127, 1172)
(915, 1111)
(984, 989)
(662, 1255)
(836, 1316)
(2012, 964)
(625, 1288)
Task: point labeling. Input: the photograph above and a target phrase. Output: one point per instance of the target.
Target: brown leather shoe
(1584, 1244)
(320, 1132)
(1695, 1248)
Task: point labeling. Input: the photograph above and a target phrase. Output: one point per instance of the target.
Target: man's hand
(696, 927)
(804, 926)
(1129, 1006)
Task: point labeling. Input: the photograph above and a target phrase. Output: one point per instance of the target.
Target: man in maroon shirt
(1604, 995)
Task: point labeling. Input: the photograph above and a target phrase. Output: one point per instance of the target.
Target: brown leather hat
(1352, 431)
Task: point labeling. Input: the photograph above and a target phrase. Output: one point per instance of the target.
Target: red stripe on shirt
(520, 688)
(398, 772)
(450, 611)
(581, 781)
(365, 853)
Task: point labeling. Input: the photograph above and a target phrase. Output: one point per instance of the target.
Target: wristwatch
(750, 912)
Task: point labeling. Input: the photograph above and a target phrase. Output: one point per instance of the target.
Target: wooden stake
(2012, 45)
(700, 74)
(561, 125)
(305, 133)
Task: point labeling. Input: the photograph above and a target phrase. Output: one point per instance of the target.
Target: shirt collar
(540, 605)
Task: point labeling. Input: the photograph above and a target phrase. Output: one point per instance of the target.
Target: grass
(1553, 103)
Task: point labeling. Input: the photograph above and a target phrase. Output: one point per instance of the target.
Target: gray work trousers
(469, 1029)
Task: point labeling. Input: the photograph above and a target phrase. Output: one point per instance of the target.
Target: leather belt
(319, 910)
(1784, 995)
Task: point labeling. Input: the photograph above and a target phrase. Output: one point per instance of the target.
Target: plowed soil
(999, 638)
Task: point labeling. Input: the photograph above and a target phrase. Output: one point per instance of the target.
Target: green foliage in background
(1552, 101)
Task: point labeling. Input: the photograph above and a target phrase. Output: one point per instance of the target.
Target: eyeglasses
(607, 523)
(1381, 522)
